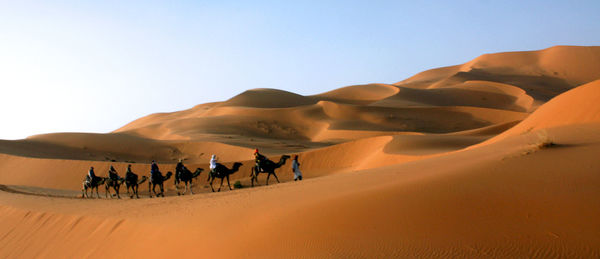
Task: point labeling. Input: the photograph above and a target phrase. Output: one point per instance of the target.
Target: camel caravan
(182, 176)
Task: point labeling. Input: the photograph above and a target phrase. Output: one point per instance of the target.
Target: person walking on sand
(296, 169)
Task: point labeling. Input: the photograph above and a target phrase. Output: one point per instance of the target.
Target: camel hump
(220, 167)
(267, 162)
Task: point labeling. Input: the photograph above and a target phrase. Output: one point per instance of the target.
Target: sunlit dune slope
(577, 106)
(495, 158)
(542, 74)
(512, 81)
(505, 203)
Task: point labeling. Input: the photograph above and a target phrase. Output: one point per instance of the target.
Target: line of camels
(132, 181)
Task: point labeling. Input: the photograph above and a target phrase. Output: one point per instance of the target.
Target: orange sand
(497, 157)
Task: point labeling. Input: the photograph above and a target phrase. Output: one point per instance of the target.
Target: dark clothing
(154, 170)
(129, 174)
(91, 174)
(179, 168)
(113, 175)
(91, 177)
(259, 159)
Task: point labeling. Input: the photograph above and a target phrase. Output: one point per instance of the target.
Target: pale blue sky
(93, 66)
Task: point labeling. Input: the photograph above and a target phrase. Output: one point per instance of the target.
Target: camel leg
(254, 176)
(274, 174)
(211, 182)
(268, 175)
(117, 191)
(192, 192)
(132, 191)
(228, 183)
(150, 189)
(162, 190)
(220, 185)
(97, 194)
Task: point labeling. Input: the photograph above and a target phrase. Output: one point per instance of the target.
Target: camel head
(282, 161)
(236, 167)
(169, 174)
(144, 178)
(197, 172)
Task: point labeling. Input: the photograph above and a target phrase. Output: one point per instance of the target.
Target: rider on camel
(213, 164)
(259, 159)
(153, 169)
(128, 171)
(91, 175)
(179, 167)
(112, 174)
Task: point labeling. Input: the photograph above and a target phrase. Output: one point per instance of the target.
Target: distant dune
(497, 157)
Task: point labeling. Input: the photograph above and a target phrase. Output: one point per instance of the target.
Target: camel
(159, 180)
(186, 176)
(131, 181)
(221, 172)
(87, 184)
(115, 184)
(268, 167)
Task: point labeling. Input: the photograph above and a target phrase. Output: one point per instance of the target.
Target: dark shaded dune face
(414, 119)
(540, 87)
(541, 74)
(577, 106)
(474, 94)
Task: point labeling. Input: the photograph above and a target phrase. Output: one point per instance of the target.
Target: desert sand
(497, 157)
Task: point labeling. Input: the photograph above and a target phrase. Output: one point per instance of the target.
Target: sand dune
(578, 106)
(496, 157)
(542, 74)
(359, 94)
